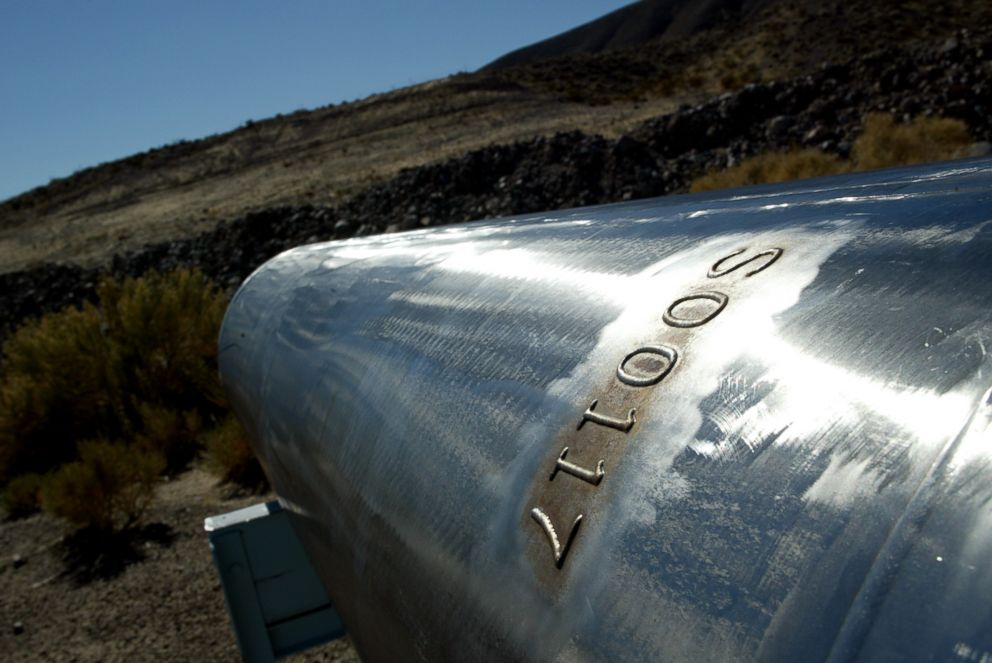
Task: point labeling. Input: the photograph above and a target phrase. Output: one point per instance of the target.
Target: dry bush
(107, 489)
(230, 457)
(170, 432)
(772, 167)
(140, 365)
(22, 496)
(885, 143)
(164, 329)
(59, 383)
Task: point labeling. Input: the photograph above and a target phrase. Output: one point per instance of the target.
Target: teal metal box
(276, 601)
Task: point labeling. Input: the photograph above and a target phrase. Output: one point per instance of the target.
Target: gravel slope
(167, 606)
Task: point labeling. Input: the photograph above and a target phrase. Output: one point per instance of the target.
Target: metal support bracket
(277, 604)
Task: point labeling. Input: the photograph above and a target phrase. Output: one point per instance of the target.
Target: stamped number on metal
(689, 311)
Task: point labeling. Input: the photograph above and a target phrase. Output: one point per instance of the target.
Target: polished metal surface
(749, 425)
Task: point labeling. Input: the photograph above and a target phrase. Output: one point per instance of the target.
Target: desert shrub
(108, 488)
(59, 383)
(772, 167)
(885, 143)
(22, 496)
(170, 432)
(164, 328)
(230, 457)
(140, 365)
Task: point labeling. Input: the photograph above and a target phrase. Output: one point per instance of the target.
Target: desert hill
(824, 111)
(631, 26)
(628, 121)
(326, 156)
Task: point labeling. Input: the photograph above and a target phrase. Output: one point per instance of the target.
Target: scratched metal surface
(809, 481)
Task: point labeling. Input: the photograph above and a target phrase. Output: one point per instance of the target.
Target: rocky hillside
(823, 109)
(632, 26)
(615, 124)
(328, 156)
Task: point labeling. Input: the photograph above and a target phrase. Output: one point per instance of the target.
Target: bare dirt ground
(165, 604)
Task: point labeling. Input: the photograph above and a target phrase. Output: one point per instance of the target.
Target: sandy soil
(164, 605)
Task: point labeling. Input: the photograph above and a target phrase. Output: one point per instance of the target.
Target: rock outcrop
(823, 110)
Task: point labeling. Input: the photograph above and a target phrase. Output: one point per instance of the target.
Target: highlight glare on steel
(808, 476)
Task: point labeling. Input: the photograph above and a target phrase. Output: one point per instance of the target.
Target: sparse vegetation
(772, 167)
(476, 134)
(230, 457)
(57, 384)
(883, 143)
(131, 366)
(22, 496)
(107, 489)
(102, 399)
(171, 432)
(742, 47)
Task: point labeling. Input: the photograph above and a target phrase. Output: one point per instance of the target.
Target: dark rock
(815, 135)
(824, 109)
(778, 128)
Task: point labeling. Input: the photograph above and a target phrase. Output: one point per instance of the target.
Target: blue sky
(86, 82)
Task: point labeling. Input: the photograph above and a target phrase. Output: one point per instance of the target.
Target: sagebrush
(883, 143)
(107, 488)
(22, 496)
(230, 457)
(772, 167)
(130, 377)
(140, 363)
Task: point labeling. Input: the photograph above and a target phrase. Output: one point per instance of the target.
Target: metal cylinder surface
(750, 425)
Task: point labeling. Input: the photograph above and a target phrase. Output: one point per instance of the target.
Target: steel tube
(808, 479)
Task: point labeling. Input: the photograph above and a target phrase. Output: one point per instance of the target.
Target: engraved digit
(669, 353)
(773, 255)
(557, 549)
(606, 420)
(675, 321)
(589, 476)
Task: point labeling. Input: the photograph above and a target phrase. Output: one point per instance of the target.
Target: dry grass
(337, 152)
(883, 143)
(323, 155)
(772, 167)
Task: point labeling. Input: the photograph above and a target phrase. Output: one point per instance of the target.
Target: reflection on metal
(558, 550)
(641, 382)
(718, 298)
(589, 476)
(606, 420)
(810, 477)
(771, 254)
(670, 354)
